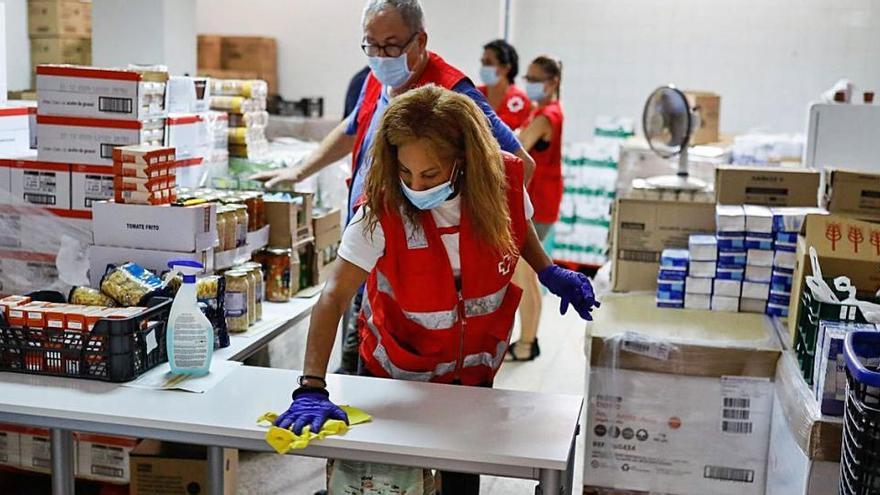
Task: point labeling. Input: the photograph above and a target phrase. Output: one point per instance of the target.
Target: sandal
(534, 352)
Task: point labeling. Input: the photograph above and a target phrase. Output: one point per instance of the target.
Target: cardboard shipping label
(711, 438)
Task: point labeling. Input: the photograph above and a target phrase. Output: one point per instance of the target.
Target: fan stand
(681, 181)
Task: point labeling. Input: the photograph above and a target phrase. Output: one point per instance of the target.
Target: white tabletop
(277, 318)
(501, 432)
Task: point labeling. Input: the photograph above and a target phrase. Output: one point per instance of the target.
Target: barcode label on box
(107, 471)
(738, 403)
(644, 256)
(107, 149)
(39, 199)
(729, 474)
(740, 414)
(637, 344)
(737, 427)
(114, 105)
(743, 401)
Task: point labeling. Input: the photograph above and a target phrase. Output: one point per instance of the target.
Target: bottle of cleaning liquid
(190, 335)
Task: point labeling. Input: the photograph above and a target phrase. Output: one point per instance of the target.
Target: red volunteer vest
(414, 324)
(515, 107)
(437, 71)
(545, 189)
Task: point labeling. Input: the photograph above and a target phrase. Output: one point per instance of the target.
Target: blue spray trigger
(185, 264)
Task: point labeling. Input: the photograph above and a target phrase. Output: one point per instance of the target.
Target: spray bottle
(190, 335)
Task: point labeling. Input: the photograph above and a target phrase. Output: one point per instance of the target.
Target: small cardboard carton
(708, 106)
(768, 186)
(162, 467)
(851, 193)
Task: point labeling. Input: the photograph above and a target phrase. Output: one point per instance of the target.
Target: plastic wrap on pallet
(818, 436)
(40, 250)
(712, 420)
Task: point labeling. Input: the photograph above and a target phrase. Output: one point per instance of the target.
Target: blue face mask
(429, 198)
(535, 91)
(390, 71)
(489, 75)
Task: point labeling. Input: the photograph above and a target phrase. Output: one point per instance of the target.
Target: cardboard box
(707, 105)
(188, 135)
(36, 450)
(14, 131)
(91, 141)
(844, 246)
(117, 94)
(289, 222)
(89, 184)
(768, 186)
(804, 444)
(327, 228)
(187, 94)
(155, 261)
(159, 468)
(40, 183)
(852, 193)
(77, 51)
(69, 18)
(103, 458)
(643, 228)
(10, 446)
(210, 49)
(712, 421)
(164, 228)
(250, 53)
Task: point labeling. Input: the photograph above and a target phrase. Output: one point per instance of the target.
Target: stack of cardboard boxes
(60, 32)
(239, 57)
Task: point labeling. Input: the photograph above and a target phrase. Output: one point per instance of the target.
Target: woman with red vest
(500, 65)
(445, 220)
(542, 137)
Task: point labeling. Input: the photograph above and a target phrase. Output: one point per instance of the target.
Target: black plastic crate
(860, 452)
(117, 350)
(812, 312)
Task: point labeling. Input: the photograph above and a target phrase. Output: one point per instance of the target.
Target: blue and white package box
(734, 241)
(756, 290)
(779, 297)
(759, 241)
(790, 219)
(732, 259)
(672, 274)
(730, 218)
(698, 301)
(699, 285)
(747, 305)
(829, 372)
(758, 219)
(784, 246)
(663, 295)
(787, 238)
(759, 257)
(670, 285)
(756, 273)
(730, 273)
(785, 259)
(669, 303)
(779, 310)
(727, 288)
(704, 269)
(725, 303)
(702, 247)
(674, 258)
(780, 282)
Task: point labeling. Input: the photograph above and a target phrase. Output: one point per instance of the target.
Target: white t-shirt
(364, 249)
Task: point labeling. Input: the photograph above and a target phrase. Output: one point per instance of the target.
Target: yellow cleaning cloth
(283, 441)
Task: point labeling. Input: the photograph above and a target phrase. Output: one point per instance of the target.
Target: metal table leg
(63, 482)
(549, 482)
(215, 470)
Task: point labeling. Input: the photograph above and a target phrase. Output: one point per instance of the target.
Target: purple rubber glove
(311, 406)
(572, 287)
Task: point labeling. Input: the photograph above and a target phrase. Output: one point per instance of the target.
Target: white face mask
(535, 91)
(433, 197)
(489, 75)
(390, 71)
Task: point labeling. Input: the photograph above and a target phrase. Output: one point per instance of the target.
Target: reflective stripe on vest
(480, 306)
(381, 355)
(486, 359)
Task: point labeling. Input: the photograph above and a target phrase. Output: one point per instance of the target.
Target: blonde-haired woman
(445, 222)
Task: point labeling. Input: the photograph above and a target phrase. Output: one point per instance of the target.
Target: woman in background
(500, 65)
(542, 138)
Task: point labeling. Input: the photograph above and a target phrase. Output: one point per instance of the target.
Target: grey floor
(559, 369)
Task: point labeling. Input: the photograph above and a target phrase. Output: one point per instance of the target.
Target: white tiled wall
(767, 58)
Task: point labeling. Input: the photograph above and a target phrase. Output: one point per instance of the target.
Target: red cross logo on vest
(515, 104)
(504, 265)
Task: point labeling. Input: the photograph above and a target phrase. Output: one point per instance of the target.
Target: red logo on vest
(504, 265)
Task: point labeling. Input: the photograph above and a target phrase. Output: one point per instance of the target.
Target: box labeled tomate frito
(118, 94)
(186, 229)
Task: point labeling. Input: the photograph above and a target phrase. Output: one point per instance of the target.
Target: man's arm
(333, 148)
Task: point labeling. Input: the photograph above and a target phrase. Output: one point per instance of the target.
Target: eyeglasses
(389, 50)
(535, 79)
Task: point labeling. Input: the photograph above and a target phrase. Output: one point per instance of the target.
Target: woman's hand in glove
(572, 287)
(311, 406)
